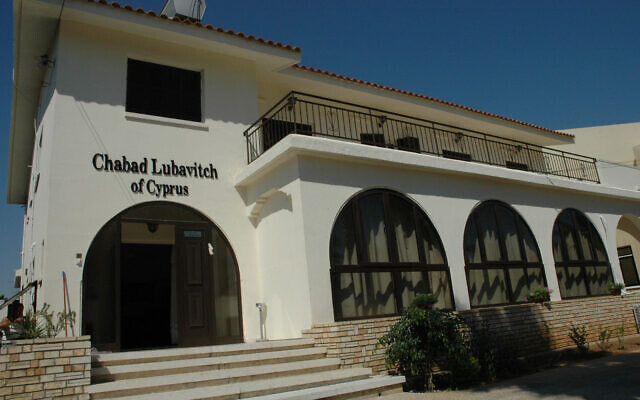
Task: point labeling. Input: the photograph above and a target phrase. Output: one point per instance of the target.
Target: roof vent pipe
(189, 9)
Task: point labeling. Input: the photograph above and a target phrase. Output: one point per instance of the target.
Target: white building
(158, 173)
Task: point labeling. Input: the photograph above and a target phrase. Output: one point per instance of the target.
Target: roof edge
(428, 98)
(198, 24)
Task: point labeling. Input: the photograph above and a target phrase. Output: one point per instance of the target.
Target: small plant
(539, 295)
(620, 336)
(615, 288)
(604, 339)
(39, 324)
(579, 336)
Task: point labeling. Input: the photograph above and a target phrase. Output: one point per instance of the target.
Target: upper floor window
(501, 254)
(385, 251)
(163, 91)
(582, 265)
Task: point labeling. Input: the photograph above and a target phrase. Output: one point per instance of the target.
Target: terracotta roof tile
(198, 24)
(433, 99)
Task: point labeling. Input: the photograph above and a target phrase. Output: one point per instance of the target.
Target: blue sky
(559, 64)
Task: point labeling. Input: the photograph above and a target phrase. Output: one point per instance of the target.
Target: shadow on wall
(501, 336)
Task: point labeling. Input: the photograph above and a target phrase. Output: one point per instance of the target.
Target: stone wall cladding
(531, 327)
(57, 368)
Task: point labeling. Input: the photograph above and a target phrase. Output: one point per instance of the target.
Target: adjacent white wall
(607, 142)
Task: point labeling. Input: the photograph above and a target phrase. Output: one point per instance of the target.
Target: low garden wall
(57, 368)
(529, 328)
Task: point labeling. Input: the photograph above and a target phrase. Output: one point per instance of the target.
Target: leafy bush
(604, 339)
(620, 336)
(425, 338)
(579, 336)
(39, 324)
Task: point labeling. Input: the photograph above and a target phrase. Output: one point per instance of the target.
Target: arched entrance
(628, 244)
(160, 274)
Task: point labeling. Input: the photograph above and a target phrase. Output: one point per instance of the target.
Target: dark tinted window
(501, 255)
(581, 260)
(384, 252)
(163, 91)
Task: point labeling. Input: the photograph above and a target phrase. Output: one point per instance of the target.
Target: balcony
(304, 114)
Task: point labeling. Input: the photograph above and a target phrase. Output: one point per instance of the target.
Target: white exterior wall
(331, 172)
(90, 118)
(607, 142)
(37, 208)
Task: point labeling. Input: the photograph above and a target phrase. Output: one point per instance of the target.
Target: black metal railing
(305, 114)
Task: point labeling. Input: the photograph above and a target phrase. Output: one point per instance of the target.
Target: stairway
(282, 369)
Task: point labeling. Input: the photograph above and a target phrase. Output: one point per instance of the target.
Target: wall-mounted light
(152, 227)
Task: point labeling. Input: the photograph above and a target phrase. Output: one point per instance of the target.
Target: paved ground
(613, 377)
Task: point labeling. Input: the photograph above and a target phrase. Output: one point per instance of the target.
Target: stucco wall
(89, 117)
(448, 200)
(608, 142)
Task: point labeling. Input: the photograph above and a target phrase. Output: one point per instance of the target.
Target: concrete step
(184, 353)
(129, 387)
(372, 387)
(259, 387)
(148, 369)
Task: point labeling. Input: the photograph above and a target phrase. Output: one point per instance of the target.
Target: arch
(582, 265)
(143, 257)
(502, 258)
(628, 245)
(384, 251)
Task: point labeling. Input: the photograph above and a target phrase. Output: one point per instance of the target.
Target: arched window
(384, 252)
(582, 265)
(501, 255)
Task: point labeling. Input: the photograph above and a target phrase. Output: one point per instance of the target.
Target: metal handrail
(307, 114)
(20, 293)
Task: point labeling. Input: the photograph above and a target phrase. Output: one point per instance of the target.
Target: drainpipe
(262, 309)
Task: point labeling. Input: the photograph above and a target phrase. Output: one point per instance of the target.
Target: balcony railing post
(292, 104)
(595, 168)
(486, 145)
(246, 136)
(373, 130)
(526, 148)
(566, 168)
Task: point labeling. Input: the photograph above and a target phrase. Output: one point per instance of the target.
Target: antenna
(184, 9)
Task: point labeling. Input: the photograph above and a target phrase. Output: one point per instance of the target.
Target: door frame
(206, 223)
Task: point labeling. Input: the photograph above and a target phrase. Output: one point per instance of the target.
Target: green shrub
(579, 336)
(425, 338)
(620, 336)
(39, 324)
(604, 339)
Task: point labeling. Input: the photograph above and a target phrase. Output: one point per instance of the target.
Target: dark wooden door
(194, 286)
